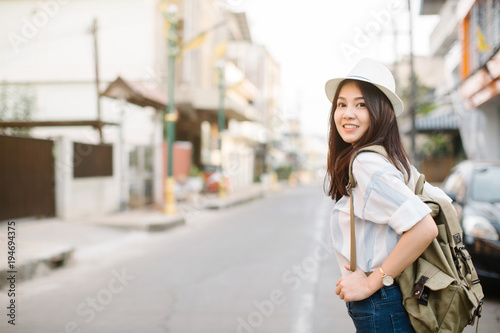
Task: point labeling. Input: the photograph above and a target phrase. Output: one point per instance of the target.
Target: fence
(26, 178)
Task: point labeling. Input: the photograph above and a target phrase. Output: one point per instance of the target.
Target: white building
(49, 45)
(468, 38)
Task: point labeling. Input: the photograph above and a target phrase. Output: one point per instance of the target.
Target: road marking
(303, 324)
(304, 320)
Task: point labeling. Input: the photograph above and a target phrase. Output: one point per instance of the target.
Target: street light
(170, 116)
(413, 92)
(221, 122)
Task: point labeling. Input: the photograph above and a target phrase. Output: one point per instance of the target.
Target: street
(266, 266)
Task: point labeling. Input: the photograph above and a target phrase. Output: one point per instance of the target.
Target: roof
(241, 18)
(438, 122)
(136, 93)
(431, 7)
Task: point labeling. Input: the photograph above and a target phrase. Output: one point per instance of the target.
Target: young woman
(393, 226)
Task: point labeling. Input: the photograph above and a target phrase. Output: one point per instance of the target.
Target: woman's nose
(348, 113)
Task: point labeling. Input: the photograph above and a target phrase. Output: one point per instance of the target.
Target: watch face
(387, 280)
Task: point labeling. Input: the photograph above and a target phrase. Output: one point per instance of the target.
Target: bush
(284, 172)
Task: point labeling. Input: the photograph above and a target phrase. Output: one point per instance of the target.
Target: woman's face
(351, 116)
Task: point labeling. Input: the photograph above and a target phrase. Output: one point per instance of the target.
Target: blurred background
(95, 77)
(141, 114)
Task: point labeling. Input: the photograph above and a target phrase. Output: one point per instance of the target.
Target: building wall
(480, 69)
(93, 197)
(57, 58)
(83, 197)
(249, 79)
(492, 128)
(197, 67)
(48, 46)
(468, 45)
(59, 47)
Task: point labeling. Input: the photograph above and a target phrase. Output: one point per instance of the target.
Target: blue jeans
(382, 312)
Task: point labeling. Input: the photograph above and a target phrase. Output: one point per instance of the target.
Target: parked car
(475, 189)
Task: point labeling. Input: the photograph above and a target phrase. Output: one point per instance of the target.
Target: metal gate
(26, 178)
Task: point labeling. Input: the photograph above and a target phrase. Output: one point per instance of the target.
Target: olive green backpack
(441, 290)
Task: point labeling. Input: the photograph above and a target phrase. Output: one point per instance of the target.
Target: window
(454, 185)
(92, 160)
(485, 185)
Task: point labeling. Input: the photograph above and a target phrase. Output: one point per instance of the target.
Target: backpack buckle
(479, 310)
(457, 263)
(463, 251)
(476, 313)
(420, 291)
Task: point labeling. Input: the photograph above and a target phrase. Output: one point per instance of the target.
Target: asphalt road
(266, 266)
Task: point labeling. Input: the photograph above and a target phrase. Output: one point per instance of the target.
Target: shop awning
(440, 120)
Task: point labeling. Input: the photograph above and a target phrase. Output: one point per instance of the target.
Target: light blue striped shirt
(384, 208)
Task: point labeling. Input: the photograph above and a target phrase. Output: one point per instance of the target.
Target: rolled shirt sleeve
(430, 190)
(385, 197)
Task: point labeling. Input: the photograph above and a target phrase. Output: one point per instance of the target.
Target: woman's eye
(341, 105)
(361, 105)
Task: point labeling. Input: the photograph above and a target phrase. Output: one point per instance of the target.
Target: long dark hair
(383, 130)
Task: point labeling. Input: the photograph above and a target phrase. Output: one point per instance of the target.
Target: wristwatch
(386, 279)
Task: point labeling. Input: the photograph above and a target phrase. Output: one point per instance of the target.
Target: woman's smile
(351, 116)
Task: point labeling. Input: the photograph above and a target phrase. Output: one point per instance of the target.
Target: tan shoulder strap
(419, 186)
(352, 183)
(376, 149)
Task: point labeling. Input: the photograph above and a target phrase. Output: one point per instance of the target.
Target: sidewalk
(45, 244)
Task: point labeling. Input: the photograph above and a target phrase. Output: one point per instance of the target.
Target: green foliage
(17, 103)
(194, 171)
(437, 145)
(424, 102)
(284, 172)
(257, 179)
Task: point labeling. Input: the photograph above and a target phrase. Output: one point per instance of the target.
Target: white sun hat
(371, 71)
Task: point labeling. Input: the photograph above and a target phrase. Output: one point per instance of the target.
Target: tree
(17, 103)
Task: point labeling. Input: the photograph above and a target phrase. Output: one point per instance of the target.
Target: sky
(316, 40)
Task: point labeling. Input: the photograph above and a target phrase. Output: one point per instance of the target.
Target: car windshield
(485, 184)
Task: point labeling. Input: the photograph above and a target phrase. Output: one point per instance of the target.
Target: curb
(140, 220)
(221, 203)
(53, 258)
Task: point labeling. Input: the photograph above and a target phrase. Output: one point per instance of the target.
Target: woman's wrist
(374, 282)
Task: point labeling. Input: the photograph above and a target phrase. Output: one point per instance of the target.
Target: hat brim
(332, 85)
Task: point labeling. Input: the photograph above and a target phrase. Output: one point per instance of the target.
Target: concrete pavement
(44, 244)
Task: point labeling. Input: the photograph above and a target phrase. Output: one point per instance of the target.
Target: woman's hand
(355, 286)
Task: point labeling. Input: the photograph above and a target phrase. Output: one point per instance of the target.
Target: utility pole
(221, 122)
(170, 117)
(93, 30)
(395, 37)
(413, 87)
(175, 51)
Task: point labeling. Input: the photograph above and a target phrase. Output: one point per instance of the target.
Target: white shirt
(384, 208)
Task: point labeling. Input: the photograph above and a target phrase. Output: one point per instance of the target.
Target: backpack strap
(455, 236)
(352, 259)
(455, 239)
(440, 205)
(351, 184)
(374, 149)
(419, 186)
